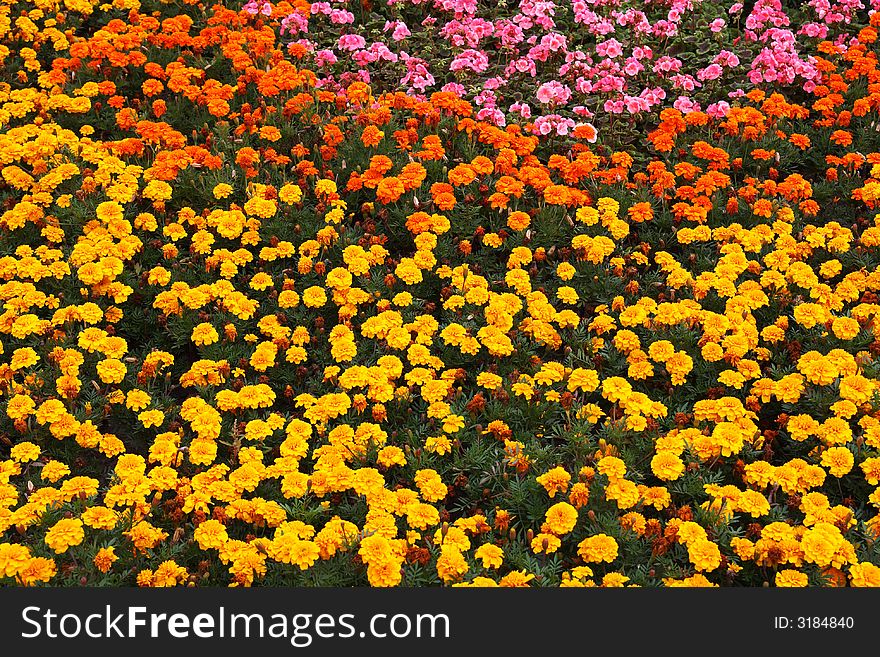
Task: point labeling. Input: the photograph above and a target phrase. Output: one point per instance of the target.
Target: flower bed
(267, 324)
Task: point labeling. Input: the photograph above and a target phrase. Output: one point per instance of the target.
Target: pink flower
(544, 125)
(492, 115)
(726, 58)
(667, 64)
(583, 86)
(653, 96)
(711, 72)
(470, 59)
(643, 52)
(610, 48)
(718, 110)
(553, 92)
(417, 75)
(634, 104)
(525, 65)
(351, 42)
(554, 41)
(814, 30)
(494, 83)
(401, 31)
(522, 109)
(613, 106)
(717, 25)
(685, 105)
(633, 67)
(254, 8)
(325, 58)
(341, 17)
(294, 23)
(454, 87)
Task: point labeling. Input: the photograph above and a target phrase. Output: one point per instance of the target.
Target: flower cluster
(559, 64)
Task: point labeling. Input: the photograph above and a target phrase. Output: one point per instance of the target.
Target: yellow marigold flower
(451, 565)
(136, 400)
(64, 534)
(222, 190)
(598, 548)
(791, 578)
(438, 445)
(325, 186)
(22, 358)
(583, 379)
(14, 557)
(624, 492)
(100, 517)
(105, 558)
(24, 452)
(157, 190)
(290, 194)
(54, 470)
(845, 328)
(109, 211)
(430, 485)
(838, 460)
(690, 532)
(667, 466)
(695, 581)
(821, 543)
(661, 351)
(314, 297)
(704, 554)
(489, 381)
(50, 411)
(614, 580)
(204, 334)
(452, 423)
(145, 536)
(554, 481)
(491, 555)
(290, 549)
(864, 574)
(151, 418)
(560, 519)
(612, 467)
(111, 370)
(545, 544)
(516, 579)
(579, 495)
(565, 271)
(588, 216)
(169, 574)
(567, 295)
(391, 455)
(19, 407)
(38, 569)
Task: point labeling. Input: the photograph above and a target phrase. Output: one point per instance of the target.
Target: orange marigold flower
(389, 190)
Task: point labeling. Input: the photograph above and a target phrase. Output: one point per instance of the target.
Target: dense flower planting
(431, 293)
